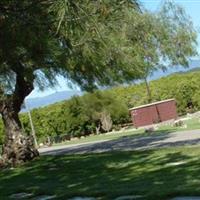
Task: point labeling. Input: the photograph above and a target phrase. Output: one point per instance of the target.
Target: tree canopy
(159, 40)
(40, 39)
(91, 43)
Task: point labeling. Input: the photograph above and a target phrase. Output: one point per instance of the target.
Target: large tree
(91, 43)
(161, 40)
(40, 39)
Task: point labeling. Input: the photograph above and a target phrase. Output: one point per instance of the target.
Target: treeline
(103, 111)
(79, 116)
(185, 88)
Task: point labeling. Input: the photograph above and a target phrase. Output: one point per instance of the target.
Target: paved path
(125, 143)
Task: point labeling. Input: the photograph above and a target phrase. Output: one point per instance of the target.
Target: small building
(154, 113)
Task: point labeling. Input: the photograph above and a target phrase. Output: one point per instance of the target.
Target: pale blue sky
(192, 8)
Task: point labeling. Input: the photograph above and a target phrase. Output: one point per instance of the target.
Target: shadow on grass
(108, 175)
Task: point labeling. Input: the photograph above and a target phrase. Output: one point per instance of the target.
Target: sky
(192, 8)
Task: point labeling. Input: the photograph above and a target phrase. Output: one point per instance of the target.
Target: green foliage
(76, 117)
(158, 40)
(91, 43)
(175, 86)
(81, 116)
(42, 39)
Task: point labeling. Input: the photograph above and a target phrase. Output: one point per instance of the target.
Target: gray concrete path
(126, 143)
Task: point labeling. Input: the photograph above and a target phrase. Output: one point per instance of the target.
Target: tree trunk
(98, 129)
(17, 147)
(158, 113)
(148, 91)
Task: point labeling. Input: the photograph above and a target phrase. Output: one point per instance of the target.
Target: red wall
(167, 110)
(155, 113)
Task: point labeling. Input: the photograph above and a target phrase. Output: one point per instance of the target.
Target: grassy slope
(108, 175)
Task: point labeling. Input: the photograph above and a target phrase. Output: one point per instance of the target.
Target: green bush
(80, 116)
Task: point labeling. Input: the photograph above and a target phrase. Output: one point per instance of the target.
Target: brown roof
(150, 104)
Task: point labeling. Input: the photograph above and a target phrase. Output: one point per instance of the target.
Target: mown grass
(108, 175)
(191, 124)
(102, 137)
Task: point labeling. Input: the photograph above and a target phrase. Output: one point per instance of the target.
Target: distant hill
(194, 65)
(50, 99)
(196, 69)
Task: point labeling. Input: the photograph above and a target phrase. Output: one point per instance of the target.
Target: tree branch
(23, 87)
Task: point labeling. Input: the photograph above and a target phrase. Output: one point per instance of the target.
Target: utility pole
(31, 123)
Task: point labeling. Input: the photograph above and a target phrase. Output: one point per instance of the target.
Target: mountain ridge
(37, 102)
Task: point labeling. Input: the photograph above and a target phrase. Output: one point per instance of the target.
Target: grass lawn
(192, 124)
(101, 137)
(106, 176)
